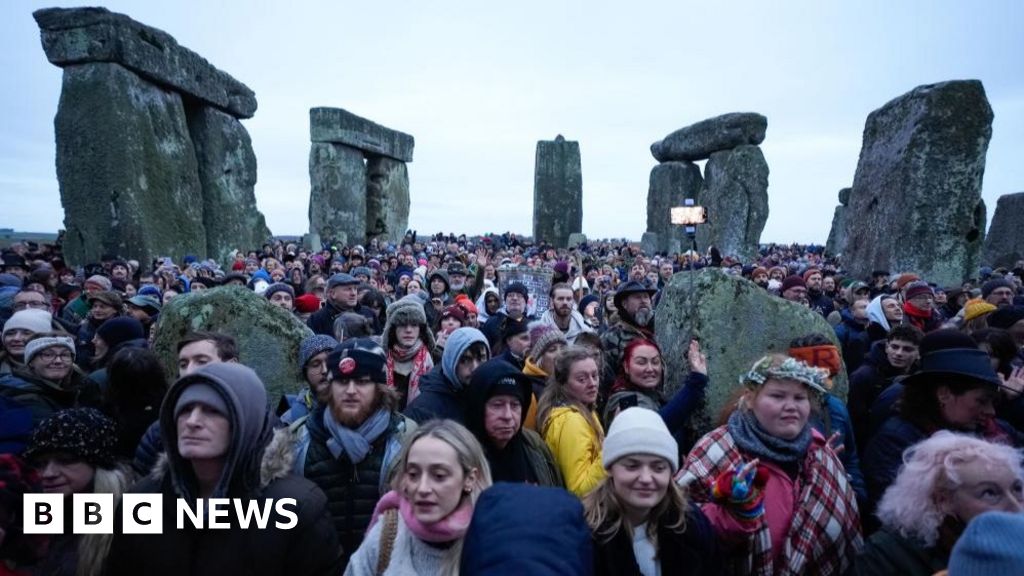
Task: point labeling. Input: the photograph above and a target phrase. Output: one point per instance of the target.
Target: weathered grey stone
(837, 234)
(339, 126)
(311, 242)
(227, 173)
(268, 336)
(577, 238)
(700, 140)
(78, 35)
(337, 201)
(126, 168)
(736, 197)
(1004, 243)
(387, 199)
(557, 192)
(650, 242)
(844, 196)
(916, 198)
(670, 184)
(716, 311)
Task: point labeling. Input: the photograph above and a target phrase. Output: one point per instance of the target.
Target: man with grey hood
(221, 443)
(443, 389)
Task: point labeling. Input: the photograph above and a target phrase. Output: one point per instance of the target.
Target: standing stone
(337, 202)
(576, 239)
(126, 168)
(736, 197)
(1004, 244)
(699, 141)
(387, 199)
(650, 242)
(268, 336)
(717, 309)
(837, 234)
(339, 126)
(227, 173)
(670, 184)
(76, 35)
(557, 192)
(917, 191)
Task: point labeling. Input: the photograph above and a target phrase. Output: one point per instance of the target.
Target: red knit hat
(792, 282)
(307, 303)
(810, 272)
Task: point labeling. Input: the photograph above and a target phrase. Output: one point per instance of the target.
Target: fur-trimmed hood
(403, 312)
(276, 462)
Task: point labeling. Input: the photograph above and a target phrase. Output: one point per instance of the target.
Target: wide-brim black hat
(631, 287)
(959, 363)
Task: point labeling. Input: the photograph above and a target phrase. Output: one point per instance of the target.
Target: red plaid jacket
(824, 536)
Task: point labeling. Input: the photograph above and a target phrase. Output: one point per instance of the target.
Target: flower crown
(790, 369)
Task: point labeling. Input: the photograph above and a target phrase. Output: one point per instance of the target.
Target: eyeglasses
(18, 306)
(49, 356)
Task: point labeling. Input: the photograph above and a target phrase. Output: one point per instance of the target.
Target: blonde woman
(946, 481)
(73, 450)
(418, 527)
(567, 421)
(641, 521)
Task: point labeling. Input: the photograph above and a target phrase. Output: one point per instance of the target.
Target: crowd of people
(448, 424)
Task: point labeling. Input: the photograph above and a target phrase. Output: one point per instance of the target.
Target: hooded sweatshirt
(441, 393)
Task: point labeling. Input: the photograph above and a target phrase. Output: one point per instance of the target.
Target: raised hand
(1014, 384)
(698, 362)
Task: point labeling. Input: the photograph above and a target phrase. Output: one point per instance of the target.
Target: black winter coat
(866, 384)
(438, 398)
(695, 551)
(352, 489)
(322, 321)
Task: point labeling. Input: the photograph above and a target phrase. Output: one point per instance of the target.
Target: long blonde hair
(93, 548)
(604, 512)
(555, 394)
(470, 456)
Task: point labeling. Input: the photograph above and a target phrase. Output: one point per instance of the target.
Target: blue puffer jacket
(523, 529)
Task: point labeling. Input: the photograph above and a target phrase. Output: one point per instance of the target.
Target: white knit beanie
(35, 321)
(639, 431)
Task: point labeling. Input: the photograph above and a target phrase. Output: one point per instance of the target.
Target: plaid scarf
(824, 534)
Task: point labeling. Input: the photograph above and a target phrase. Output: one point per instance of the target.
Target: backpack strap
(388, 535)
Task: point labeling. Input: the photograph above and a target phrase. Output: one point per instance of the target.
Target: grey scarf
(355, 443)
(751, 437)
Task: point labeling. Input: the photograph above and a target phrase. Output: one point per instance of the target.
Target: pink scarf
(451, 527)
(421, 364)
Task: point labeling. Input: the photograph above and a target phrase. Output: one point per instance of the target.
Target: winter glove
(741, 492)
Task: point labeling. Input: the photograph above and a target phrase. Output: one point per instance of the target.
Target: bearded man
(348, 443)
(636, 320)
(563, 313)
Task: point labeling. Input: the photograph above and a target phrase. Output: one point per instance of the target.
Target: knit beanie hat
(792, 282)
(585, 301)
(356, 358)
(84, 433)
(278, 287)
(543, 335)
(37, 345)
(454, 311)
(35, 321)
(517, 288)
(976, 308)
(989, 545)
(810, 272)
(917, 288)
(200, 393)
(513, 327)
(97, 281)
(466, 304)
(991, 286)
(361, 271)
(150, 290)
(307, 304)
(314, 345)
(904, 279)
(639, 431)
(120, 330)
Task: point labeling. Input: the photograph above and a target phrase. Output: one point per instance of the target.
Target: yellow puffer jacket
(576, 446)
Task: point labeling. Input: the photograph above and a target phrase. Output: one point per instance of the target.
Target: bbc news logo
(143, 514)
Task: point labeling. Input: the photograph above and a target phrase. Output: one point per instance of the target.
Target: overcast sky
(478, 83)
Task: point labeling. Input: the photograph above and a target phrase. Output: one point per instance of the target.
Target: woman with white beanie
(18, 330)
(49, 381)
(642, 522)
